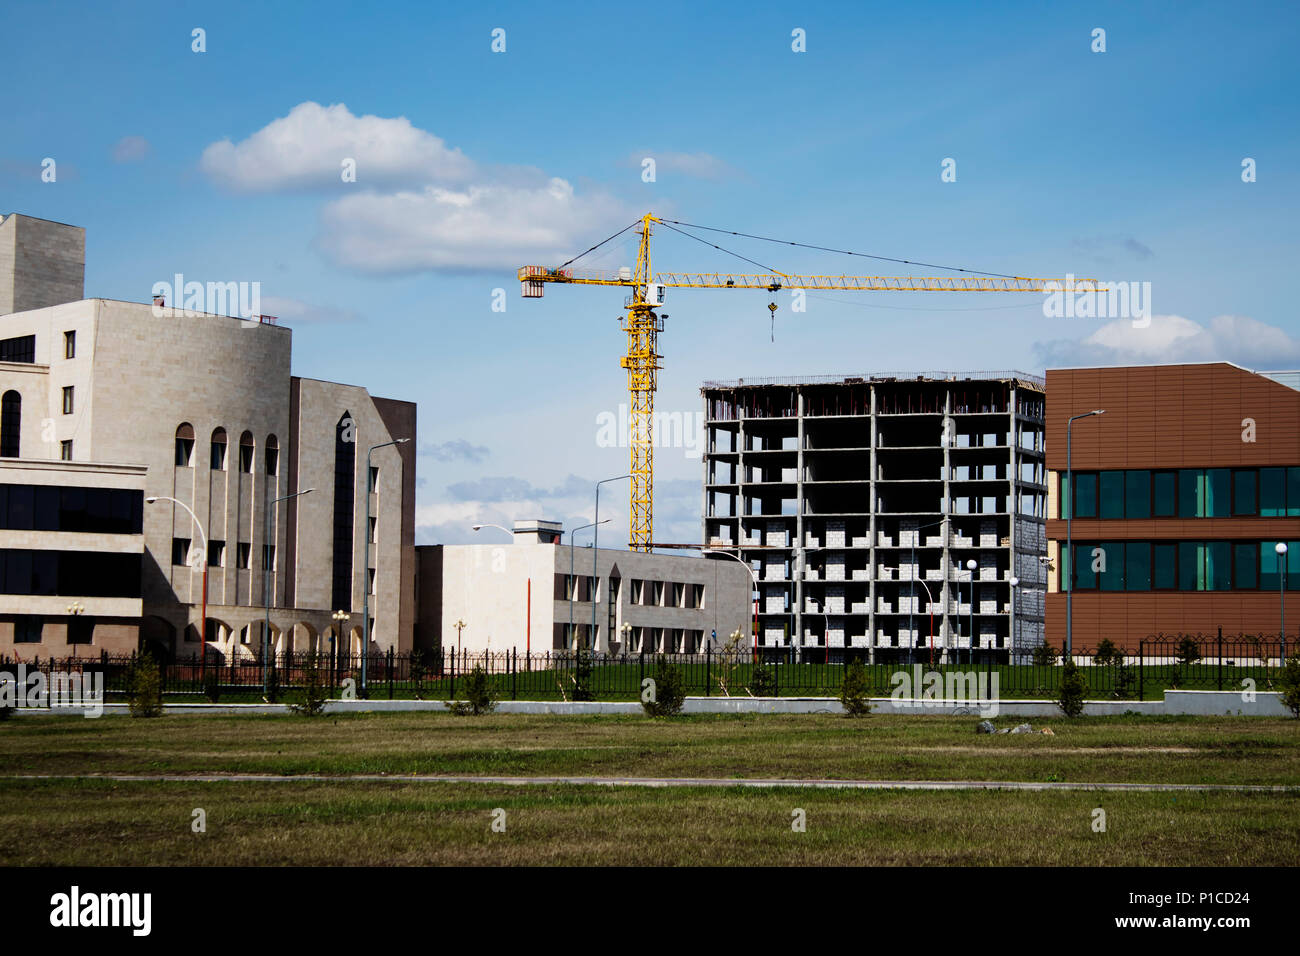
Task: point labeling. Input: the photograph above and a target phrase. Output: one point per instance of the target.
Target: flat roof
(864, 378)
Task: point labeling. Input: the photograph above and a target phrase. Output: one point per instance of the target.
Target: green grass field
(315, 822)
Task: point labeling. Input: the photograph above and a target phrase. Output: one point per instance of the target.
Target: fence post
(390, 673)
(1220, 657)
(1141, 670)
(640, 680)
(451, 693)
(513, 662)
(708, 669)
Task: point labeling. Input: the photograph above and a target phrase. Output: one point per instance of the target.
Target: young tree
(1044, 655)
(667, 694)
(480, 696)
(853, 690)
(1107, 653)
(1290, 685)
(1070, 694)
(314, 694)
(144, 687)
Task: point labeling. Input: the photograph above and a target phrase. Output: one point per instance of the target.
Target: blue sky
(224, 165)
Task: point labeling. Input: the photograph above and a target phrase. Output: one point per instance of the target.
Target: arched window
(272, 455)
(185, 445)
(345, 464)
(11, 423)
(246, 453)
(218, 449)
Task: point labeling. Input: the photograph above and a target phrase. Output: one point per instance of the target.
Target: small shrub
(480, 696)
(212, 687)
(1290, 685)
(669, 690)
(144, 687)
(1188, 652)
(762, 680)
(314, 693)
(582, 676)
(1069, 696)
(1107, 653)
(853, 690)
(1175, 678)
(1125, 678)
(1044, 655)
(273, 685)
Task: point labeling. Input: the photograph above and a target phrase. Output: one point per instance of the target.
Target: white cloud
(306, 150)
(417, 205)
(1172, 339)
(488, 225)
(295, 310)
(130, 149)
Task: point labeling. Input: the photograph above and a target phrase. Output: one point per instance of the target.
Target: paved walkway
(675, 782)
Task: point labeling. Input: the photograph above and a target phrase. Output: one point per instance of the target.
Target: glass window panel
(1108, 558)
(22, 502)
(1165, 492)
(1137, 494)
(1165, 562)
(1293, 491)
(1112, 494)
(1243, 491)
(1191, 493)
(1268, 565)
(1065, 497)
(1218, 493)
(1137, 566)
(1191, 566)
(1084, 579)
(1243, 563)
(1218, 567)
(1085, 487)
(1272, 492)
(1293, 566)
(46, 514)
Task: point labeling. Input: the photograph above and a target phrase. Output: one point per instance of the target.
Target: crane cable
(863, 255)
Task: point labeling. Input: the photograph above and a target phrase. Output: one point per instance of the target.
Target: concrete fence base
(1205, 703)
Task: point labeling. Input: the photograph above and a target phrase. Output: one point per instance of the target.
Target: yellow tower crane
(643, 326)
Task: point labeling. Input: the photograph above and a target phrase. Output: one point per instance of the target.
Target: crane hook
(771, 307)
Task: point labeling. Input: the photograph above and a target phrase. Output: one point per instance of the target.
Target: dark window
(345, 463)
(1191, 566)
(374, 478)
(67, 399)
(1243, 491)
(1293, 491)
(1272, 492)
(80, 629)
(22, 507)
(242, 554)
(65, 449)
(19, 349)
(18, 572)
(1164, 494)
(180, 551)
(1191, 493)
(268, 557)
(216, 554)
(45, 572)
(272, 460)
(1137, 494)
(1109, 558)
(47, 501)
(69, 345)
(217, 450)
(1218, 566)
(1268, 566)
(1164, 560)
(246, 454)
(1085, 495)
(1245, 574)
(1085, 579)
(27, 629)
(1137, 566)
(11, 424)
(1112, 494)
(1218, 493)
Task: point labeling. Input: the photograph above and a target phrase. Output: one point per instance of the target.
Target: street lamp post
(754, 578)
(75, 609)
(1281, 550)
(595, 553)
(626, 631)
(266, 580)
(573, 582)
(340, 619)
(365, 568)
(1069, 539)
(970, 647)
(203, 613)
(1011, 646)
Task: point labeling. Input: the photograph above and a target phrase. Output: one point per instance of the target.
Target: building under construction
(861, 503)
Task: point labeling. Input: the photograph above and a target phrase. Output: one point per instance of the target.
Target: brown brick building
(1182, 490)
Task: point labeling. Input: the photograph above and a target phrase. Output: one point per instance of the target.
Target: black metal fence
(1182, 661)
